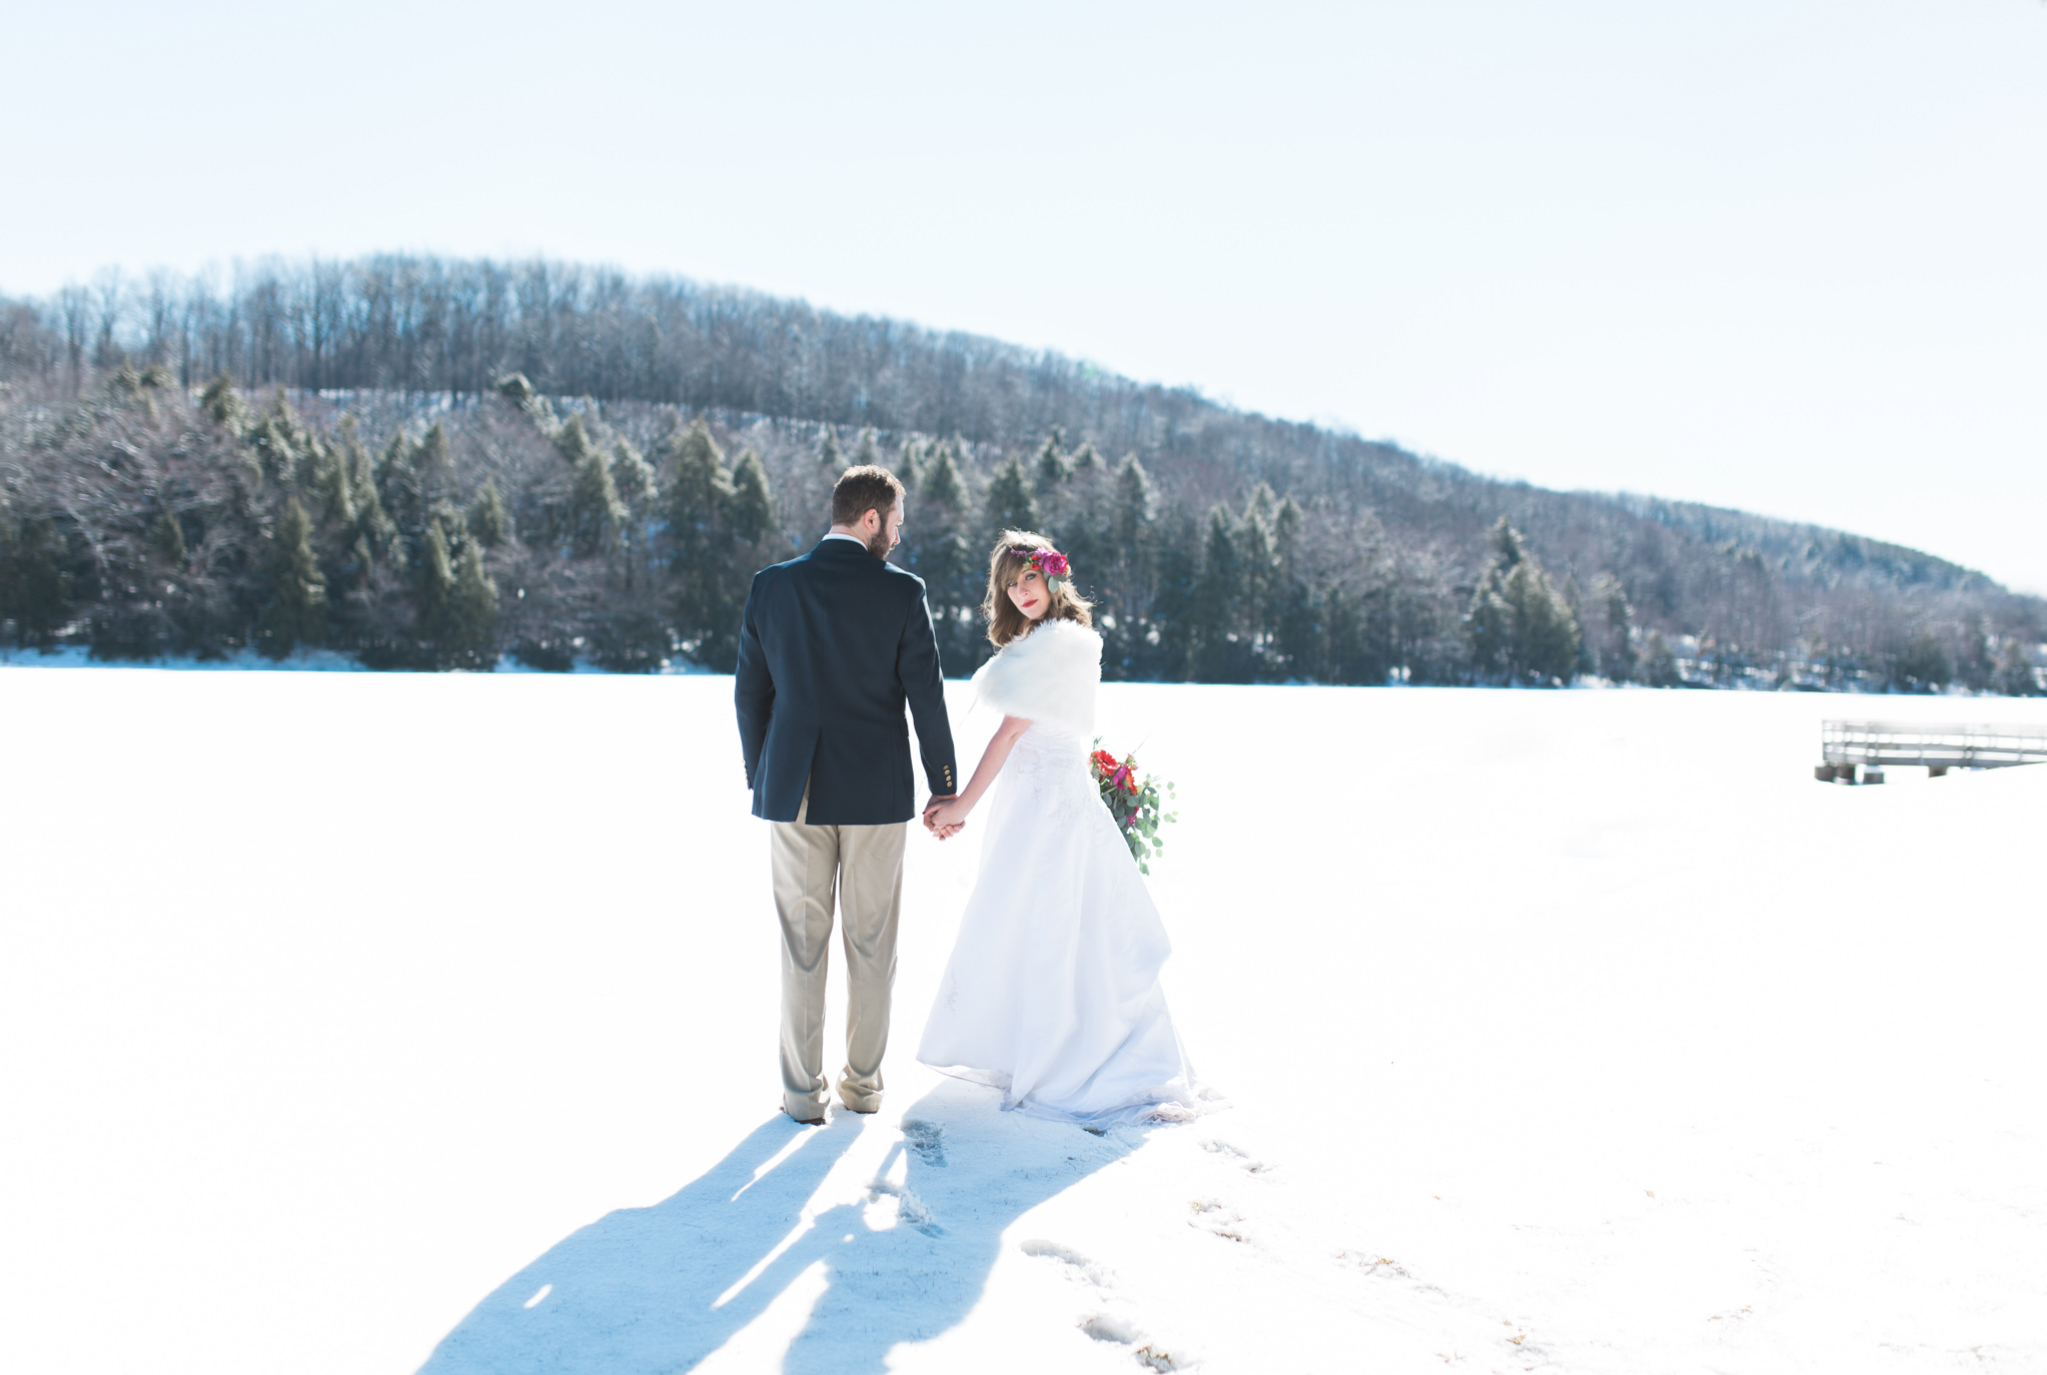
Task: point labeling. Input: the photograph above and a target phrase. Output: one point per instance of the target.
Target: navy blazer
(831, 647)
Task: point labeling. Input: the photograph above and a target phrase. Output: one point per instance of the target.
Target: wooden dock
(1859, 751)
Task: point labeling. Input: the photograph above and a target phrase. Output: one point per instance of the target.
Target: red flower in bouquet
(1134, 801)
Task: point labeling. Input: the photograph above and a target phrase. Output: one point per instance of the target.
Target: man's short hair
(862, 488)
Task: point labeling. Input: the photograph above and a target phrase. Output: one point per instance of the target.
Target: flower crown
(1051, 563)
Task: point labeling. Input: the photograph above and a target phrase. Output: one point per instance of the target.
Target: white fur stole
(1049, 675)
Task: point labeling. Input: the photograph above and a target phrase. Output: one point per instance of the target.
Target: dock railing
(1859, 751)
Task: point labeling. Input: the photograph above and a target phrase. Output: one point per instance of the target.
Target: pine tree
(398, 486)
(437, 573)
(1505, 542)
(631, 475)
(633, 478)
(1363, 624)
(1545, 634)
(1221, 655)
(465, 636)
(1260, 580)
(295, 612)
(954, 575)
(434, 466)
(1974, 664)
(1924, 665)
(222, 403)
(516, 389)
(1658, 664)
(698, 489)
(1583, 662)
(869, 452)
(1518, 626)
(828, 454)
(1298, 637)
(35, 584)
(1614, 651)
(1489, 621)
(1133, 502)
(595, 511)
(909, 463)
(488, 520)
(167, 539)
(273, 439)
(436, 590)
(375, 530)
(1086, 462)
(1261, 505)
(1286, 532)
(1062, 506)
(700, 546)
(1125, 583)
(2015, 676)
(1177, 620)
(937, 547)
(1257, 587)
(1489, 627)
(940, 484)
(1008, 505)
(395, 459)
(1295, 651)
(750, 512)
(330, 483)
(1052, 466)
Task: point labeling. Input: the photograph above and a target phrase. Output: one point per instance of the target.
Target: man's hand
(954, 819)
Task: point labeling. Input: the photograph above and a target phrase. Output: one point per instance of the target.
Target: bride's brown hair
(1013, 550)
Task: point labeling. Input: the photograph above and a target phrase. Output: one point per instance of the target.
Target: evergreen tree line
(1391, 562)
(143, 520)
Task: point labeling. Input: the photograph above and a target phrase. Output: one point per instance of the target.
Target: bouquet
(1134, 801)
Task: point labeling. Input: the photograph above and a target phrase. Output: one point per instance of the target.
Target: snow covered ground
(356, 1023)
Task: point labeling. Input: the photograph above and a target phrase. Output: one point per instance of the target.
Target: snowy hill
(362, 1023)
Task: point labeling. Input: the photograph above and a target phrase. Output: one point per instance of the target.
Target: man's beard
(879, 544)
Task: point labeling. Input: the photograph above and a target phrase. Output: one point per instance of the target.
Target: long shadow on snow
(639, 1290)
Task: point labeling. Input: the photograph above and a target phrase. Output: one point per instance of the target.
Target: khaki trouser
(862, 867)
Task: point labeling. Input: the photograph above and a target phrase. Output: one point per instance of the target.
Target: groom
(832, 645)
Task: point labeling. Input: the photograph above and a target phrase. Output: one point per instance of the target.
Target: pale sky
(1783, 255)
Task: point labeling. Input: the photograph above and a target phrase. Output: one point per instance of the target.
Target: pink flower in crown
(1050, 562)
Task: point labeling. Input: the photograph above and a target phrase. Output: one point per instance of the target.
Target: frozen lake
(1579, 1031)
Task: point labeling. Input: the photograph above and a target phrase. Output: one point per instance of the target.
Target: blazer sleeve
(917, 669)
(753, 687)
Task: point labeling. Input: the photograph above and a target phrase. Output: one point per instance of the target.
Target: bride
(1052, 993)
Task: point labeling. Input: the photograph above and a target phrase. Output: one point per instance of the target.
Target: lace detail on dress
(1051, 765)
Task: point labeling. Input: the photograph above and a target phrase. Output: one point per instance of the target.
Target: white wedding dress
(1052, 993)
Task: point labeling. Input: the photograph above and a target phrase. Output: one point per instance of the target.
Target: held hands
(944, 816)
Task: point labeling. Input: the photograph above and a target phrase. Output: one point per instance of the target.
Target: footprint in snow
(1076, 1266)
(1385, 1267)
(911, 1210)
(927, 1139)
(1519, 1343)
(1104, 1324)
(1218, 1219)
(1240, 1158)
